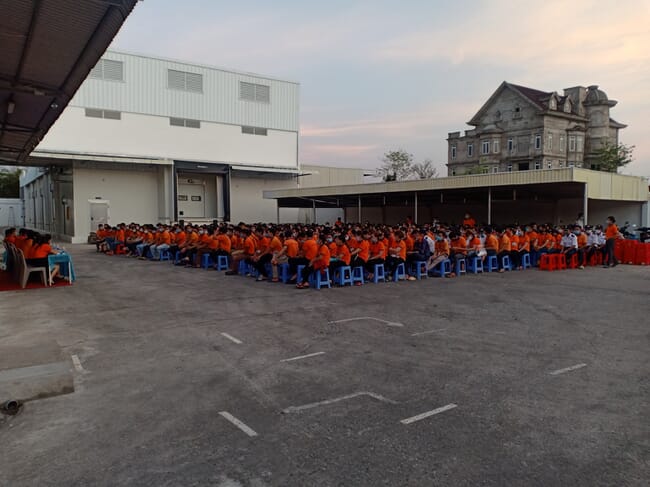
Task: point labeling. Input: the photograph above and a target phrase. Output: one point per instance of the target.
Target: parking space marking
(433, 412)
(311, 405)
(242, 426)
(568, 369)
(77, 363)
(428, 332)
(300, 357)
(387, 323)
(232, 338)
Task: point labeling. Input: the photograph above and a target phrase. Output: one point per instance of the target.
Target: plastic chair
(505, 263)
(379, 274)
(321, 278)
(357, 275)
(206, 261)
(443, 268)
(165, 255)
(461, 267)
(475, 265)
(561, 261)
(420, 268)
(284, 272)
(525, 261)
(222, 262)
(299, 271)
(343, 276)
(399, 272)
(492, 263)
(573, 263)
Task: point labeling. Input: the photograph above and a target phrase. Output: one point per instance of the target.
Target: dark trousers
(370, 265)
(294, 262)
(335, 265)
(260, 265)
(411, 259)
(610, 244)
(357, 262)
(392, 263)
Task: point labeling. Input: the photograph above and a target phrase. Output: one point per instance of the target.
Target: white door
(191, 201)
(98, 214)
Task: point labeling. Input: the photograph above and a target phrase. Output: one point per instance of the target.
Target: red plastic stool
(547, 262)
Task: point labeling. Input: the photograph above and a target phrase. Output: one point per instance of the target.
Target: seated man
(341, 256)
(288, 251)
(268, 244)
(224, 246)
(247, 253)
(505, 249)
(569, 244)
(308, 251)
(316, 264)
(442, 251)
(377, 254)
(423, 248)
(163, 242)
(491, 242)
(595, 242)
(396, 254)
(38, 255)
(359, 249)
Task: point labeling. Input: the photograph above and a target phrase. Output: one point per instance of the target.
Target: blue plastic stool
(525, 261)
(177, 257)
(222, 262)
(299, 273)
(475, 265)
(505, 263)
(243, 268)
(343, 275)
(400, 272)
(357, 275)
(461, 267)
(206, 261)
(284, 272)
(421, 269)
(492, 263)
(443, 268)
(321, 278)
(379, 274)
(165, 255)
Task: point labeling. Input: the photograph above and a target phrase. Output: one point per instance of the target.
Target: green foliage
(397, 165)
(609, 157)
(10, 184)
(425, 170)
(478, 169)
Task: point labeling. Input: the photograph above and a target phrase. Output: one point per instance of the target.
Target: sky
(381, 75)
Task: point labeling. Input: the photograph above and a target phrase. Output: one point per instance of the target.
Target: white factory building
(154, 140)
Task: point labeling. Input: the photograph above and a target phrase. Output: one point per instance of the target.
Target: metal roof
(555, 183)
(47, 49)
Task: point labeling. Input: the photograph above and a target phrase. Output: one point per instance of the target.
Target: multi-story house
(522, 129)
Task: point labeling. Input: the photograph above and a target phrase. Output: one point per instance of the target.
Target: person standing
(611, 235)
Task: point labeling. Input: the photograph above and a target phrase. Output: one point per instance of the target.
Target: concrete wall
(153, 136)
(11, 212)
(623, 211)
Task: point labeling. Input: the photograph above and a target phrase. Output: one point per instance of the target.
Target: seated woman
(38, 256)
(396, 253)
(317, 264)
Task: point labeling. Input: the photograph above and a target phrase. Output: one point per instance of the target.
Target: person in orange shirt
(39, 252)
(100, 235)
(179, 240)
(359, 249)
(288, 251)
(248, 252)
(611, 235)
(269, 245)
(442, 250)
(318, 262)
(132, 241)
(377, 254)
(341, 256)
(308, 251)
(10, 235)
(163, 243)
(582, 246)
(505, 249)
(396, 253)
(491, 243)
(468, 221)
(224, 244)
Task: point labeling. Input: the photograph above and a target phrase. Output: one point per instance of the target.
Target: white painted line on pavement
(300, 357)
(242, 426)
(232, 338)
(568, 369)
(387, 323)
(433, 412)
(311, 405)
(428, 332)
(77, 363)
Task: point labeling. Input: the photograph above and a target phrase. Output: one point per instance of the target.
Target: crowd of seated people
(265, 247)
(35, 247)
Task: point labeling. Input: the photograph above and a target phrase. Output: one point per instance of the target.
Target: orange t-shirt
(41, 251)
(325, 256)
(514, 242)
(402, 248)
(310, 249)
(343, 254)
(582, 240)
(213, 244)
(165, 238)
(442, 247)
(410, 243)
(459, 245)
(275, 245)
(180, 238)
(292, 247)
(505, 244)
(611, 231)
(225, 243)
(469, 222)
(524, 243)
(378, 249)
(120, 236)
(249, 245)
(491, 242)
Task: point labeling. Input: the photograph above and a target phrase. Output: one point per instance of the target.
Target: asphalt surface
(156, 371)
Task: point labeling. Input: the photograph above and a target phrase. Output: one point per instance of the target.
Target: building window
(538, 141)
(485, 147)
(107, 69)
(549, 142)
(561, 163)
(254, 92)
(571, 164)
(253, 130)
(509, 168)
(181, 80)
(107, 114)
(579, 143)
(495, 146)
(453, 172)
(562, 145)
(517, 113)
(538, 165)
(453, 152)
(184, 122)
(470, 150)
(572, 143)
(511, 146)
(549, 164)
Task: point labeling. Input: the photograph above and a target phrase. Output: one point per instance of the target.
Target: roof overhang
(554, 184)
(47, 49)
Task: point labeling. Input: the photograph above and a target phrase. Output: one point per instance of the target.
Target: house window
(549, 164)
(549, 142)
(181, 80)
(579, 143)
(107, 114)
(538, 141)
(538, 165)
(552, 104)
(495, 146)
(453, 152)
(509, 168)
(253, 130)
(571, 164)
(184, 122)
(561, 163)
(453, 172)
(517, 113)
(562, 144)
(485, 147)
(572, 143)
(254, 92)
(511, 146)
(107, 69)
(470, 150)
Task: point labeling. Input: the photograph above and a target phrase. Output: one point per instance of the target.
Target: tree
(478, 169)
(425, 170)
(396, 165)
(10, 184)
(609, 157)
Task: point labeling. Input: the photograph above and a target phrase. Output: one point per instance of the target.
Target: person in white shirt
(595, 242)
(569, 244)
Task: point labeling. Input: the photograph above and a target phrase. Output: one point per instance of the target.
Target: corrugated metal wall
(144, 90)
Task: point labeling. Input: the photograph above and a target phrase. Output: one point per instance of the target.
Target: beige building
(522, 129)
